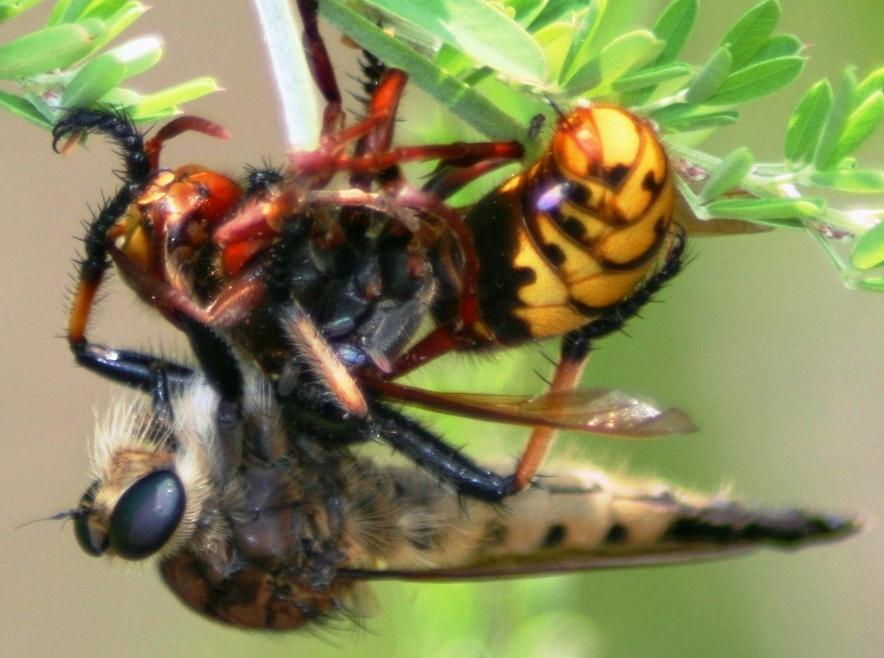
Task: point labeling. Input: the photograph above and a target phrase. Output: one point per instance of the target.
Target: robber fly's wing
(517, 567)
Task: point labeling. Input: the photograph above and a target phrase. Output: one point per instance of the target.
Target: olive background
(778, 363)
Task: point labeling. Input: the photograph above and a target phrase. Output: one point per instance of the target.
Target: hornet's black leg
(431, 453)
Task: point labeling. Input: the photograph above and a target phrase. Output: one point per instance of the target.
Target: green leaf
(93, 81)
(48, 49)
(627, 52)
(448, 90)
(779, 45)
(526, 11)
(452, 60)
(104, 8)
(757, 80)
(729, 173)
(56, 16)
(651, 77)
(674, 26)
(176, 95)
(12, 8)
(120, 22)
(699, 120)
(806, 123)
(67, 11)
(122, 97)
(874, 284)
(842, 108)
(579, 51)
(22, 108)
(552, 12)
(761, 210)
(873, 82)
(868, 252)
(711, 76)
(138, 55)
(479, 30)
(860, 125)
(856, 181)
(555, 39)
(751, 32)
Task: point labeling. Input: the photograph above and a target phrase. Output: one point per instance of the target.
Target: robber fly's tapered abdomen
(580, 519)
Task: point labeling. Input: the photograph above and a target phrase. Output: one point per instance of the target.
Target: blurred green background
(780, 366)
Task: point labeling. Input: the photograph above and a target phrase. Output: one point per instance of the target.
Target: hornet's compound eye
(91, 538)
(146, 515)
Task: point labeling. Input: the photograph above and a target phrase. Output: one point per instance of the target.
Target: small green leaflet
(751, 32)
(478, 29)
(711, 76)
(729, 173)
(869, 249)
(806, 123)
(757, 80)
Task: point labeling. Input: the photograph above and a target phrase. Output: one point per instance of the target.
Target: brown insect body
(278, 534)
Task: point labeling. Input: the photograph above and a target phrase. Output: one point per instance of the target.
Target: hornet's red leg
(320, 66)
(459, 154)
(175, 127)
(234, 304)
(384, 102)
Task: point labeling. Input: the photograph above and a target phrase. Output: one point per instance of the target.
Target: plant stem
(294, 82)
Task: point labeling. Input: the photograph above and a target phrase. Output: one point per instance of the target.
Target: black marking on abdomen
(554, 254)
(613, 176)
(731, 523)
(617, 534)
(652, 185)
(573, 227)
(554, 536)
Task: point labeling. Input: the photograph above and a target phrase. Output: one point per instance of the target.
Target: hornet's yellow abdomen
(578, 231)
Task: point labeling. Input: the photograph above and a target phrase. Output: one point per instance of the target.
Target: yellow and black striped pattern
(583, 225)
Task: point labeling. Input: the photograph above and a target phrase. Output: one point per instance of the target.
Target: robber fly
(259, 525)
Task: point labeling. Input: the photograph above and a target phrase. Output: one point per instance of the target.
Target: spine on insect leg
(584, 518)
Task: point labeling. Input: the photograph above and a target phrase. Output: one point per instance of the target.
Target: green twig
(294, 83)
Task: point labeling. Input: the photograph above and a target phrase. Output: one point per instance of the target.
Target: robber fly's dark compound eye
(146, 515)
(92, 539)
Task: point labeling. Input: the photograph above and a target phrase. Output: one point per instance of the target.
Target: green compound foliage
(496, 64)
(67, 64)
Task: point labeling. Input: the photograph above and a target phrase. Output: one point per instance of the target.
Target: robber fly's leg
(131, 368)
(160, 394)
(222, 371)
(431, 453)
(575, 352)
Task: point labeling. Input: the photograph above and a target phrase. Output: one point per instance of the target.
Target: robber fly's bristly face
(150, 485)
